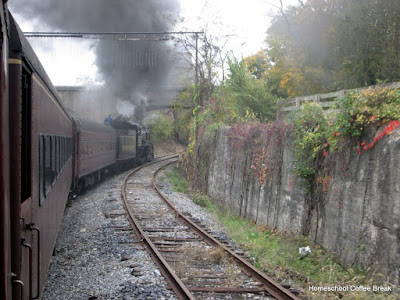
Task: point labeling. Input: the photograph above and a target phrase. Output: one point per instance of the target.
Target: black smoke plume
(127, 66)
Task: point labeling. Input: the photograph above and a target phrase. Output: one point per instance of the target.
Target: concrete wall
(356, 214)
(358, 217)
(276, 204)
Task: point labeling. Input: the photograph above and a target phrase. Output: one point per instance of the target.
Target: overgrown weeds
(178, 183)
(215, 255)
(181, 185)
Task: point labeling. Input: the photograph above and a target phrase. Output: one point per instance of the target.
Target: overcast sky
(246, 21)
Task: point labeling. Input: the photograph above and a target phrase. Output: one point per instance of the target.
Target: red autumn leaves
(389, 128)
(392, 125)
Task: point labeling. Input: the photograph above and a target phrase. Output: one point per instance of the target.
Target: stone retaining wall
(356, 213)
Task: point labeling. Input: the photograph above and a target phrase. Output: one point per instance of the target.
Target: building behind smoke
(93, 103)
(97, 102)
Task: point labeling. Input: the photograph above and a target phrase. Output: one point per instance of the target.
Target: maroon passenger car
(41, 166)
(95, 146)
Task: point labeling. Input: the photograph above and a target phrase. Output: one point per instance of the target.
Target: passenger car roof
(19, 45)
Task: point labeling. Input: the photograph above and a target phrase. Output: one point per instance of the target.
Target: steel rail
(174, 281)
(272, 287)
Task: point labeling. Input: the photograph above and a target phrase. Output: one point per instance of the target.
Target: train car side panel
(52, 173)
(95, 151)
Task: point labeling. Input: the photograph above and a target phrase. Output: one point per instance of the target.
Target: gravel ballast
(95, 259)
(98, 257)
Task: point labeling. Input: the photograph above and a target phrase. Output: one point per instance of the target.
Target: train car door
(5, 236)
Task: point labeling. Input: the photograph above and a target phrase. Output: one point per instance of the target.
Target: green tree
(257, 64)
(182, 109)
(161, 129)
(298, 44)
(250, 94)
(366, 35)
(335, 44)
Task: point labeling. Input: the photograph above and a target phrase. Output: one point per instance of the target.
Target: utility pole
(197, 60)
(196, 123)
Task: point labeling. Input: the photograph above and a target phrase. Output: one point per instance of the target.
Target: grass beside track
(277, 254)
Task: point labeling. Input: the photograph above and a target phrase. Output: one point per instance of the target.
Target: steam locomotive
(46, 151)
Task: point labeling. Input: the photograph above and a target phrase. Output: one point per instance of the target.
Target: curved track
(195, 264)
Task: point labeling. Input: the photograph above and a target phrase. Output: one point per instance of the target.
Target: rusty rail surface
(173, 280)
(183, 292)
(272, 287)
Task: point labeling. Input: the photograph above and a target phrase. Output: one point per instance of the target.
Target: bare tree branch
(283, 13)
(272, 4)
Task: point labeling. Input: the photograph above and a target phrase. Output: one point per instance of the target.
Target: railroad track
(195, 264)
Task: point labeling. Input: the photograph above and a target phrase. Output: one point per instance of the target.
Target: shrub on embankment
(161, 128)
(334, 178)
(361, 119)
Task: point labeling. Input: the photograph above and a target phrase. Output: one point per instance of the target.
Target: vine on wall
(318, 133)
(261, 144)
